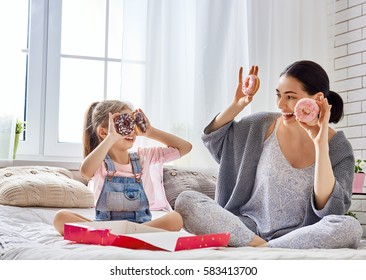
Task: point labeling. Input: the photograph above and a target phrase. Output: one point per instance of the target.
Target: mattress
(27, 233)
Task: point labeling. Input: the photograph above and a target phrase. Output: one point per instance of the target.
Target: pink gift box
(137, 236)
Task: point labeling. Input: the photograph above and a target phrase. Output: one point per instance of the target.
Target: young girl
(125, 184)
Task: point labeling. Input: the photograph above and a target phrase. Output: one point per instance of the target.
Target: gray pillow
(178, 180)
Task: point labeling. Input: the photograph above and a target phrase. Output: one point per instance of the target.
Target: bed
(27, 233)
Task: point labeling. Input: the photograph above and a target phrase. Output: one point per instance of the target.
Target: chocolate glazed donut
(125, 124)
(140, 122)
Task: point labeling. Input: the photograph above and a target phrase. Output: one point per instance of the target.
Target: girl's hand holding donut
(141, 121)
(124, 124)
(112, 129)
(247, 89)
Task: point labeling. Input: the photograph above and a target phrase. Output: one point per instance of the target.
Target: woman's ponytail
(336, 112)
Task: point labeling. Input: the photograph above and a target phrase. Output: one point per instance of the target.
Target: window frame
(43, 84)
(52, 147)
(41, 138)
(32, 145)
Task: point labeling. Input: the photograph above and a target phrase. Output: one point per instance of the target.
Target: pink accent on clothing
(152, 160)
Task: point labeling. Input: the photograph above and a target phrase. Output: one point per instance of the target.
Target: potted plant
(19, 127)
(359, 176)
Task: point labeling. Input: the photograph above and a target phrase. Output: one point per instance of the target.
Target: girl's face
(289, 91)
(127, 140)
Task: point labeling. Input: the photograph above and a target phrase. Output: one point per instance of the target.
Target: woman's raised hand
(247, 88)
(243, 96)
(319, 133)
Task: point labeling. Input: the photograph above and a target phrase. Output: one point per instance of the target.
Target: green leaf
(350, 213)
(19, 127)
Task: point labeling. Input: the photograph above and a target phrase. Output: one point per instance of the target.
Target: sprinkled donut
(125, 124)
(307, 111)
(140, 122)
(250, 85)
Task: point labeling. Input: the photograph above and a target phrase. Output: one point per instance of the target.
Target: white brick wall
(347, 30)
(347, 38)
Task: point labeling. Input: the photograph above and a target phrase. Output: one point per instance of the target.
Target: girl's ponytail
(90, 139)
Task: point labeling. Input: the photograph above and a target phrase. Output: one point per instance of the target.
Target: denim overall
(123, 198)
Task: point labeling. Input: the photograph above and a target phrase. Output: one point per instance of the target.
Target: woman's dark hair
(314, 79)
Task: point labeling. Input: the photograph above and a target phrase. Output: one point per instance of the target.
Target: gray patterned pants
(202, 215)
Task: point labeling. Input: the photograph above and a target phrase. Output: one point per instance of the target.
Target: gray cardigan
(237, 147)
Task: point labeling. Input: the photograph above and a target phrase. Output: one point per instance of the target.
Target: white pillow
(43, 186)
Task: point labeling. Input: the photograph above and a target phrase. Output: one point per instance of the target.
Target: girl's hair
(97, 115)
(314, 79)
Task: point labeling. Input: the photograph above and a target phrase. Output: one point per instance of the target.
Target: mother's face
(289, 91)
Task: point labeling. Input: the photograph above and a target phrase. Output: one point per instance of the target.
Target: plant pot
(358, 181)
(16, 142)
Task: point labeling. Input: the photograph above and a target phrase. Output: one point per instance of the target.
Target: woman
(281, 182)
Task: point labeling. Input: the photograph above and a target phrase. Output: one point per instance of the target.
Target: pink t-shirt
(151, 160)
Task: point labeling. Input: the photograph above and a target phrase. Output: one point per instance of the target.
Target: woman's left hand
(319, 132)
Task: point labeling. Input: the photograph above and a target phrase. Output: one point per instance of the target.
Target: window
(13, 57)
(177, 60)
(77, 55)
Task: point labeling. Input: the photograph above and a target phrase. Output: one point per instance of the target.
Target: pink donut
(307, 111)
(250, 85)
(125, 124)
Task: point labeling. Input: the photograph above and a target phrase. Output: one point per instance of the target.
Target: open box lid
(138, 236)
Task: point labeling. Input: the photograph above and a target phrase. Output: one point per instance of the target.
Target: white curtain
(281, 32)
(194, 49)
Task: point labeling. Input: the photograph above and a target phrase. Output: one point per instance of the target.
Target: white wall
(347, 20)
(348, 49)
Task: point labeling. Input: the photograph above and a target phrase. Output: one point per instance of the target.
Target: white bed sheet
(27, 233)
